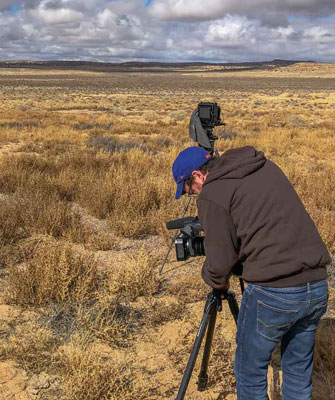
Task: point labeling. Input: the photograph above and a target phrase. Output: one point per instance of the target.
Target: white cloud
(106, 17)
(199, 30)
(186, 9)
(231, 30)
(121, 28)
(169, 43)
(60, 16)
(216, 9)
(319, 34)
(29, 29)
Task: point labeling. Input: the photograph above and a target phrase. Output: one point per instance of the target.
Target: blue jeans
(270, 315)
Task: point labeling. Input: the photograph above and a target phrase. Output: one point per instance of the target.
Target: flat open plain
(85, 191)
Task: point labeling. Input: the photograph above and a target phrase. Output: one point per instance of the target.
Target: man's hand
(222, 291)
(224, 287)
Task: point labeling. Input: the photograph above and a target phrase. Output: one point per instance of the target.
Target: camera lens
(199, 246)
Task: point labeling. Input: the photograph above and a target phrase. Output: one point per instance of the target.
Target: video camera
(189, 242)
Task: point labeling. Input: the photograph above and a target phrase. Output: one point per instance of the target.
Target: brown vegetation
(85, 190)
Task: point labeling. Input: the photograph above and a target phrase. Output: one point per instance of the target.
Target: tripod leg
(210, 304)
(203, 376)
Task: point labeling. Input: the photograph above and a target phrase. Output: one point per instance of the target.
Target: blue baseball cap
(188, 160)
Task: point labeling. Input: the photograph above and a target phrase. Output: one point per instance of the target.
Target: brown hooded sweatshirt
(252, 215)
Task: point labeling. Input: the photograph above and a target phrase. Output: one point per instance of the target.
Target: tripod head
(219, 295)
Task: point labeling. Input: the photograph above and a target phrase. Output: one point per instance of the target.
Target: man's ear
(198, 174)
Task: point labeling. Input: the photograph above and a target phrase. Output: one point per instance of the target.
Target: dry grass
(134, 277)
(88, 376)
(32, 347)
(53, 272)
(109, 321)
(118, 187)
(221, 370)
(158, 313)
(84, 166)
(324, 361)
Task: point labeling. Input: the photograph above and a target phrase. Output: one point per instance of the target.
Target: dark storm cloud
(11, 33)
(169, 30)
(3, 4)
(30, 4)
(53, 4)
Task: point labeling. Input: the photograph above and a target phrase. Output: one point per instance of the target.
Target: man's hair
(204, 168)
(209, 165)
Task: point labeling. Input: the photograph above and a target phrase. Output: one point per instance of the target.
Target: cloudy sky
(167, 30)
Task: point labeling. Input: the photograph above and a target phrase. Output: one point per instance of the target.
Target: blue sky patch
(301, 18)
(298, 18)
(147, 3)
(328, 19)
(15, 10)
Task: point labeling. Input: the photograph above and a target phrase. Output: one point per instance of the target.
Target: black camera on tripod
(189, 242)
(203, 120)
(209, 114)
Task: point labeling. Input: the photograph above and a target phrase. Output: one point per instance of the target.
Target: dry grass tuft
(178, 115)
(189, 289)
(31, 346)
(32, 212)
(89, 376)
(53, 273)
(158, 313)
(109, 321)
(134, 277)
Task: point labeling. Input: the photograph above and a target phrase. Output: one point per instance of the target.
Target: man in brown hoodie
(251, 214)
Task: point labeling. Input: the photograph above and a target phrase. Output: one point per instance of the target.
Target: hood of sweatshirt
(236, 164)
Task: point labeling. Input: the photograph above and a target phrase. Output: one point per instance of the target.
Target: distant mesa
(136, 66)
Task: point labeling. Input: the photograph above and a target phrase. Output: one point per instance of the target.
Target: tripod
(212, 306)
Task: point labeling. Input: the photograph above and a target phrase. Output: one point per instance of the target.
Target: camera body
(189, 242)
(209, 114)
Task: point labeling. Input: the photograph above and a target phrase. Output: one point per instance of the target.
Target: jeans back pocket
(273, 322)
(311, 322)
